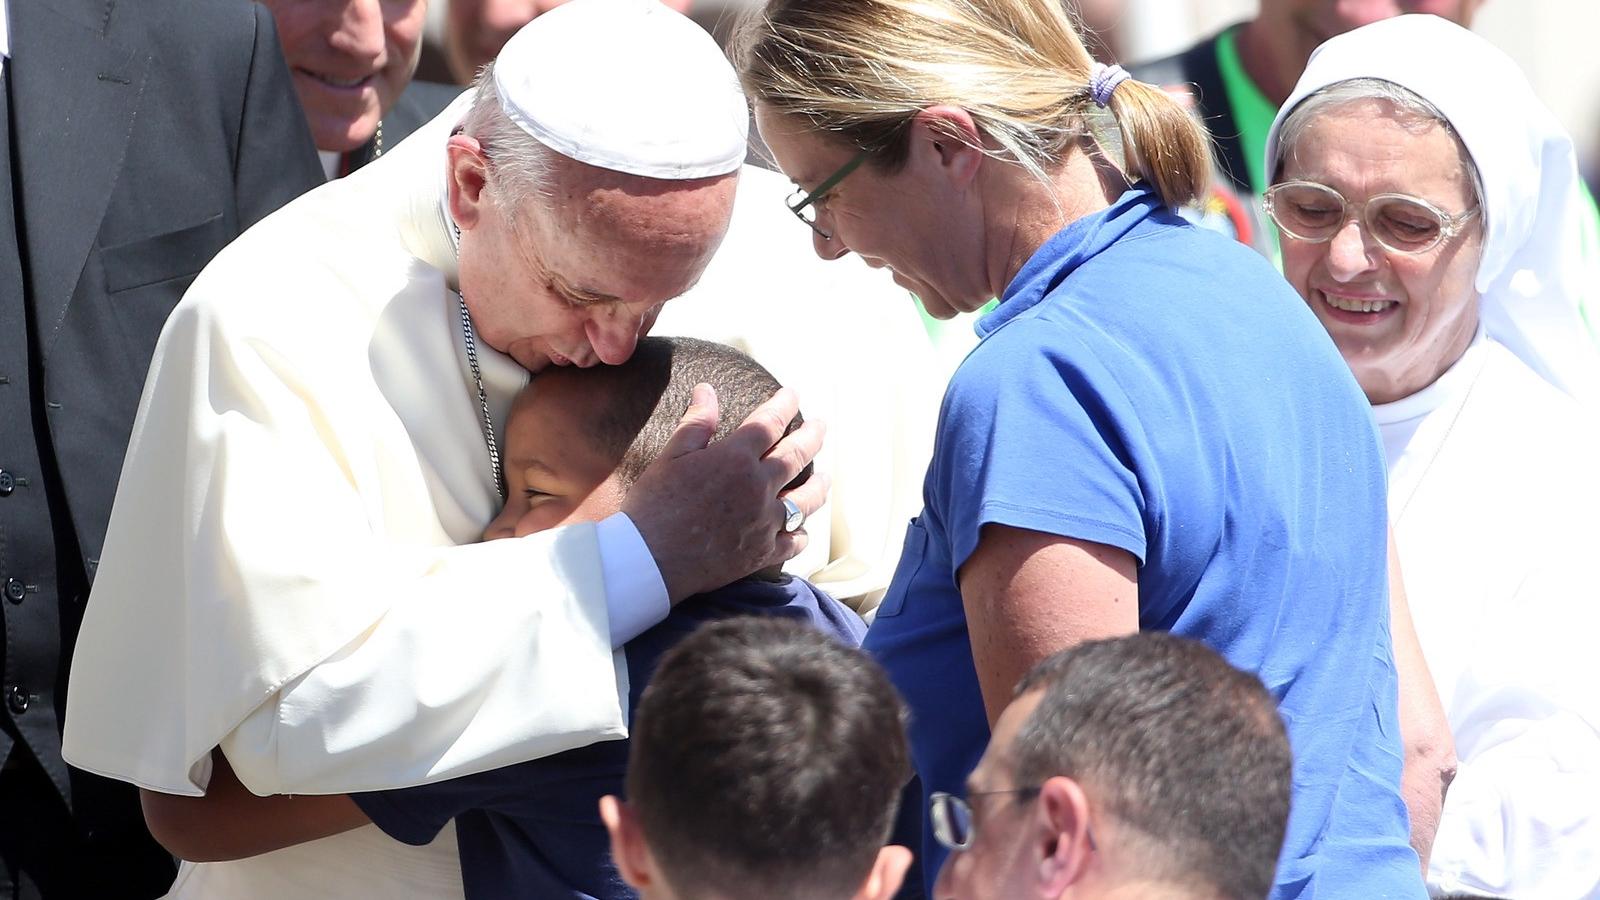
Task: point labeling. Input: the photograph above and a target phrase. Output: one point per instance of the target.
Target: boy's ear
(628, 847)
(888, 871)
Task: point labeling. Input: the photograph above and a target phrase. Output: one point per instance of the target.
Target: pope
(290, 573)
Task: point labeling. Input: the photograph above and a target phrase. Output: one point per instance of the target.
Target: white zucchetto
(626, 85)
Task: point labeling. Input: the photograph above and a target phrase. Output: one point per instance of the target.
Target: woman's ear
(947, 140)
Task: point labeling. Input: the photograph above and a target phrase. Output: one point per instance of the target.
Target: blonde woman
(1153, 433)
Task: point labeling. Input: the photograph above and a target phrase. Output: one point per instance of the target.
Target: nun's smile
(1399, 319)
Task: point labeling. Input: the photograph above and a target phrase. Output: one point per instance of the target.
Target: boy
(575, 441)
(766, 761)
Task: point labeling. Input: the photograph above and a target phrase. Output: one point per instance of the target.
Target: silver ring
(793, 518)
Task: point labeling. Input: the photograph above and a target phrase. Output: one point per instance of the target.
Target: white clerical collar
(1460, 375)
(330, 159)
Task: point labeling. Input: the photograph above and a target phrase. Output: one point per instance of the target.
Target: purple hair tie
(1103, 82)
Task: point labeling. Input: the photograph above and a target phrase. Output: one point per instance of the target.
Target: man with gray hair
(1140, 766)
(288, 579)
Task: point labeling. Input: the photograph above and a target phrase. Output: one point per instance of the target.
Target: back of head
(861, 69)
(637, 405)
(1184, 751)
(766, 761)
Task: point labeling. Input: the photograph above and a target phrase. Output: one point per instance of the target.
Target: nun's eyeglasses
(804, 206)
(1312, 212)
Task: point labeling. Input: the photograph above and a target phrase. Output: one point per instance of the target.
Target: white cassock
(851, 342)
(1494, 497)
(292, 569)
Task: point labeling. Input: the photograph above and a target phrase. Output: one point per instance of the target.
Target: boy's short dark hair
(767, 760)
(1179, 746)
(639, 403)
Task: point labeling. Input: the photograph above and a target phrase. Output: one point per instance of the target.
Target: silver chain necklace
(477, 379)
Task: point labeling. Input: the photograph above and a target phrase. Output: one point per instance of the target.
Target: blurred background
(1553, 40)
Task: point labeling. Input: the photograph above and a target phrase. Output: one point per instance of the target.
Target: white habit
(1494, 490)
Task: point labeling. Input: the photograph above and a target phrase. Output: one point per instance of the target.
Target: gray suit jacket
(144, 136)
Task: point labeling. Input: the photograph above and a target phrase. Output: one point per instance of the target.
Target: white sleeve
(1522, 818)
(636, 597)
(275, 580)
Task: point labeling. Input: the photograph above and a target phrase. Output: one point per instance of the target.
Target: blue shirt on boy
(1151, 386)
(534, 829)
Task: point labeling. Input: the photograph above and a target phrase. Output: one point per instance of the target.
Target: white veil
(1534, 278)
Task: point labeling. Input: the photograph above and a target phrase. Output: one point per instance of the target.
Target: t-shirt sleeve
(1033, 435)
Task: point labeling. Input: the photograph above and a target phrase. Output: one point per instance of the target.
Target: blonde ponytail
(1162, 143)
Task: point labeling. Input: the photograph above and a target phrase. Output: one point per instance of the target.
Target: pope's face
(555, 475)
(476, 29)
(577, 278)
(350, 59)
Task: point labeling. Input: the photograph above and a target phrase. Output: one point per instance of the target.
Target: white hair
(1356, 90)
(520, 168)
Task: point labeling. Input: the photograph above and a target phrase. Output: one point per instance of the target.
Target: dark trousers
(46, 855)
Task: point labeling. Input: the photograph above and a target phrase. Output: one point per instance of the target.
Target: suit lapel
(75, 92)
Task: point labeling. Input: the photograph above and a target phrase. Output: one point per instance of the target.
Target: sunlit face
(905, 220)
(1399, 320)
(579, 280)
(350, 59)
(1002, 862)
(1297, 27)
(555, 475)
(476, 29)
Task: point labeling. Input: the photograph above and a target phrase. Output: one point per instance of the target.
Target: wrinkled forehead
(640, 239)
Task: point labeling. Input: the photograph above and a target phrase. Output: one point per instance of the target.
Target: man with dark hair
(766, 762)
(1141, 766)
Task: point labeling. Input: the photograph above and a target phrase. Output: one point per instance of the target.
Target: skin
(576, 281)
(1022, 849)
(351, 59)
(639, 868)
(475, 30)
(555, 475)
(955, 229)
(1360, 150)
(1277, 43)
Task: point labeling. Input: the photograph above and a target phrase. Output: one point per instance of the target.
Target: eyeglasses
(804, 206)
(952, 815)
(1312, 212)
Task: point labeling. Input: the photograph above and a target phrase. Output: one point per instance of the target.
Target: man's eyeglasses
(804, 205)
(1312, 212)
(952, 815)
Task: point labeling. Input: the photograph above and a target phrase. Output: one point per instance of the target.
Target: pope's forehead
(651, 210)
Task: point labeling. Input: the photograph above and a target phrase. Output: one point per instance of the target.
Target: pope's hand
(714, 514)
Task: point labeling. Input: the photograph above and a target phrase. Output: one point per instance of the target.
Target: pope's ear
(468, 172)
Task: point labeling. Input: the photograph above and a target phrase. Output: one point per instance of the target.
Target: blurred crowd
(372, 525)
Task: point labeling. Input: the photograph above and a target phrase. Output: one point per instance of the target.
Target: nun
(1429, 207)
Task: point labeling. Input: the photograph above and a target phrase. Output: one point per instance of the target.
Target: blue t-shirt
(534, 829)
(1152, 386)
